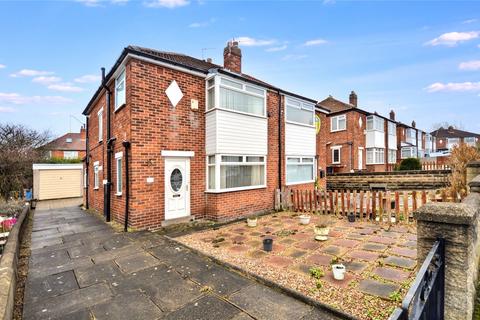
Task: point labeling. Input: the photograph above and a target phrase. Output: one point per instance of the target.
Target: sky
(421, 59)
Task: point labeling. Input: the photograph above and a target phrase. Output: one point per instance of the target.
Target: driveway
(80, 268)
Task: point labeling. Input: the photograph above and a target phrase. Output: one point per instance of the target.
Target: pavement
(80, 268)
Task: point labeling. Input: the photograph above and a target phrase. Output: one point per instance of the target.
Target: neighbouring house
(196, 138)
(445, 139)
(412, 142)
(71, 145)
(356, 139)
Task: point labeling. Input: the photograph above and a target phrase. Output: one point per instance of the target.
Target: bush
(61, 160)
(410, 164)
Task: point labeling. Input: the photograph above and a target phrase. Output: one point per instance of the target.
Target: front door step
(170, 222)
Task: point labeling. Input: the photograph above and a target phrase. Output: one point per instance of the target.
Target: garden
(363, 268)
(9, 212)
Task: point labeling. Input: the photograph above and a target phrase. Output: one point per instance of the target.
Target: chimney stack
(392, 115)
(209, 60)
(353, 99)
(414, 124)
(83, 134)
(232, 57)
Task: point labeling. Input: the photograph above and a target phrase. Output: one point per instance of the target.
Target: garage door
(57, 183)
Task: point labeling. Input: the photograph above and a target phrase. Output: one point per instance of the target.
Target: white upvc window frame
(70, 154)
(217, 167)
(245, 87)
(409, 137)
(96, 175)
(452, 142)
(120, 80)
(299, 105)
(100, 124)
(375, 123)
(392, 128)
(119, 177)
(376, 157)
(336, 120)
(392, 160)
(472, 141)
(412, 152)
(339, 149)
(303, 161)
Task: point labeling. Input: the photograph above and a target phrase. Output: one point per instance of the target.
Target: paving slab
(107, 272)
(265, 303)
(83, 314)
(136, 262)
(319, 259)
(376, 288)
(400, 262)
(374, 247)
(222, 281)
(49, 286)
(391, 274)
(406, 252)
(206, 308)
(132, 305)
(356, 266)
(316, 314)
(363, 255)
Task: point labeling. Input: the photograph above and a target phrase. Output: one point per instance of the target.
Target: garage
(57, 181)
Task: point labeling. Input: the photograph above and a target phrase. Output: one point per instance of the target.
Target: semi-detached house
(172, 137)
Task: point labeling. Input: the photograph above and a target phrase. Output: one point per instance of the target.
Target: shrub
(410, 164)
(61, 160)
(460, 157)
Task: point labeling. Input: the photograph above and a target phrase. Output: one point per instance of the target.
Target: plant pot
(267, 244)
(252, 222)
(351, 218)
(304, 219)
(339, 271)
(393, 220)
(321, 231)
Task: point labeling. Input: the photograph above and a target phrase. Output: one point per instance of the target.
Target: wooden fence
(432, 165)
(383, 206)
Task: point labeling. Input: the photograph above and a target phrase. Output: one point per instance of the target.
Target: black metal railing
(425, 298)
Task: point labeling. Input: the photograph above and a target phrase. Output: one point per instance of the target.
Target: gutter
(126, 145)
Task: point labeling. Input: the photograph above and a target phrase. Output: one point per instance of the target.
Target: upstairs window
(338, 123)
(471, 141)
(375, 123)
(70, 154)
(299, 111)
(452, 142)
(411, 135)
(392, 128)
(120, 90)
(224, 93)
(100, 124)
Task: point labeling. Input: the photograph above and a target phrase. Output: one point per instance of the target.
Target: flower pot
(321, 231)
(351, 218)
(393, 220)
(252, 222)
(267, 244)
(304, 219)
(338, 271)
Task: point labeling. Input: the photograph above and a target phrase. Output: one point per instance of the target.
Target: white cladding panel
(375, 139)
(392, 142)
(299, 140)
(236, 133)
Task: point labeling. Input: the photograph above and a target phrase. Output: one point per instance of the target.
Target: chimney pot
(232, 57)
(414, 124)
(353, 99)
(209, 60)
(392, 115)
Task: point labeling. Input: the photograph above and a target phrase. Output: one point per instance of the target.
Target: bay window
(375, 123)
(392, 156)
(235, 172)
(408, 152)
(375, 156)
(120, 90)
(229, 94)
(338, 123)
(411, 135)
(300, 170)
(298, 111)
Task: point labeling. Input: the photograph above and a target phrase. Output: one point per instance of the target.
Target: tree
(20, 147)
(446, 125)
(460, 157)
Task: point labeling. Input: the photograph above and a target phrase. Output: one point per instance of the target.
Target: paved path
(81, 269)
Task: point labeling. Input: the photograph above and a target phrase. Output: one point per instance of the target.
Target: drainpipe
(279, 140)
(87, 162)
(126, 145)
(107, 186)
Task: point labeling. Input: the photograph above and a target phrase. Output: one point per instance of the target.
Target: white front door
(360, 158)
(177, 188)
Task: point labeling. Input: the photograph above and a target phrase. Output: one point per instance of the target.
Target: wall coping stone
(389, 173)
(475, 184)
(473, 164)
(451, 213)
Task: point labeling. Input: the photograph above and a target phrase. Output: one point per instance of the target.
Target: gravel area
(295, 252)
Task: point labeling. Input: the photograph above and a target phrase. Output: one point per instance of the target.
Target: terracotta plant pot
(304, 219)
(339, 271)
(252, 222)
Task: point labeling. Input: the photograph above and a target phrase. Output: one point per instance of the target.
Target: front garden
(380, 260)
(9, 212)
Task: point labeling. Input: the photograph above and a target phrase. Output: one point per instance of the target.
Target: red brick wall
(321, 146)
(59, 154)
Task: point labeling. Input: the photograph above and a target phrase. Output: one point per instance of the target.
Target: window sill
(118, 194)
(300, 124)
(236, 189)
(336, 163)
(338, 130)
(96, 188)
(119, 108)
(237, 112)
(299, 182)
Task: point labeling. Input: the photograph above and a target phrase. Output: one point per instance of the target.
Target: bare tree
(20, 147)
(446, 124)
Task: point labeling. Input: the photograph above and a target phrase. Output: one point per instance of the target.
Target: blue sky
(420, 58)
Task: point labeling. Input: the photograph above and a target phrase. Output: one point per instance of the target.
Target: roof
(78, 143)
(335, 105)
(185, 61)
(451, 132)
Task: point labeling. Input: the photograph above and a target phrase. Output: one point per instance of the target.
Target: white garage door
(58, 182)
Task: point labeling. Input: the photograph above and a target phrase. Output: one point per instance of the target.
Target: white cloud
(30, 73)
(201, 24)
(315, 42)
(90, 3)
(45, 80)
(454, 87)
(64, 87)
(252, 42)
(7, 109)
(166, 3)
(469, 21)
(88, 78)
(2, 66)
(15, 98)
(275, 49)
(470, 65)
(451, 39)
(294, 57)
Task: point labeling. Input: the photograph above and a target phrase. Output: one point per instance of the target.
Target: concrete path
(81, 269)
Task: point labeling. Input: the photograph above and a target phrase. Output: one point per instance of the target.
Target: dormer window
(231, 94)
(69, 140)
